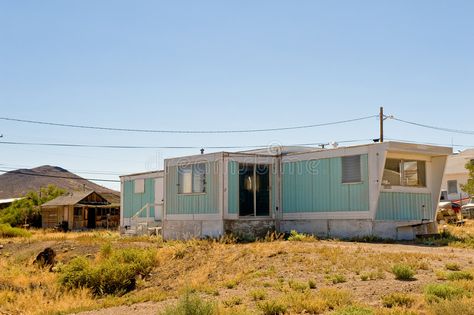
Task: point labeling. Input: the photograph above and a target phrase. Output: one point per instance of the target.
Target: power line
(466, 132)
(80, 145)
(183, 131)
(65, 177)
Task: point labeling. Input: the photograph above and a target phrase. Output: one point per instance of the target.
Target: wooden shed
(81, 210)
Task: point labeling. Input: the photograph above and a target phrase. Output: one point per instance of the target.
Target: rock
(45, 258)
(1, 246)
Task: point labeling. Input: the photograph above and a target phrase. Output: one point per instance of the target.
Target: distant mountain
(18, 182)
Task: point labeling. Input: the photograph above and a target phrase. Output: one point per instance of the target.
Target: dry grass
(303, 277)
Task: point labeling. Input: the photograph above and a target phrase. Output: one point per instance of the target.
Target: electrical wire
(466, 132)
(183, 131)
(78, 145)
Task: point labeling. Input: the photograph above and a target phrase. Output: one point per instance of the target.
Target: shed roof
(68, 200)
(111, 197)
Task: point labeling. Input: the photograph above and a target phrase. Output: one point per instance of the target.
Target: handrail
(147, 205)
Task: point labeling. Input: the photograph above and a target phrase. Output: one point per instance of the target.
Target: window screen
(185, 180)
(351, 172)
(192, 179)
(452, 186)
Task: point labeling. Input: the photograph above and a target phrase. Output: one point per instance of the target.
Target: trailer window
(398, 172)
(192, 179)
(452, 186)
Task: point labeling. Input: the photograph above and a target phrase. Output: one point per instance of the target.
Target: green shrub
(337, 278)
(403, 272)
(258, 295)
(300, 237)
(397, 299)
(76, 274)
(233, 301)
(106, 250)
(438, 292)
(231, 284)
(191, 304)
(459, 275)
(454, 307)
(335, 298)
(305, 303)
(298, 286)
(273, 307)
(452, 266)
(312, 284)
(7, 231)
(354, 310)
(114, 275)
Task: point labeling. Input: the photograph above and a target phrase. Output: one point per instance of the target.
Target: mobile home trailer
(387, 190)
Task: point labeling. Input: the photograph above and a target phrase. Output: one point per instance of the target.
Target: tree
(468, 188)
(27, 210)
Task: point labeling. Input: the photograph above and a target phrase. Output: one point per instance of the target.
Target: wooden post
(381, 123)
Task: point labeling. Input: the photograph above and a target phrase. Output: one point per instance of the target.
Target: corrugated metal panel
(405, 206)
(133, 202)
(233, 187)
(202, 203)
(316, 186)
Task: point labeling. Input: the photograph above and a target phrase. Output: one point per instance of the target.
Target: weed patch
(191, 304)
(438, 292)
(336, 278)
(6, 231)
(452, 266)
(258, 295)
(459, 275)
(354, 310)
(397, 299)
(300, 237)
(298, 286)
(403, 272)
(273, 307)
(114, 275)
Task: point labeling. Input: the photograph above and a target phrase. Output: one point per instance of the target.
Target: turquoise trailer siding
(133, 202)
(316, 186)
(404, 206)
(196, 203)
(233, 187)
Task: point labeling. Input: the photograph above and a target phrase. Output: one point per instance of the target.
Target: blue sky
(227, 65)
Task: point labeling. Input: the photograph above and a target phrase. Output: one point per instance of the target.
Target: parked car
(448, 212)
(468, 210)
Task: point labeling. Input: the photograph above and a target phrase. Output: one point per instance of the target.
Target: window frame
(403, 178)
(346, 181)
(193, 169)
(455, 182)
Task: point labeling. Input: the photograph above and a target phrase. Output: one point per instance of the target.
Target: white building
(456, 175)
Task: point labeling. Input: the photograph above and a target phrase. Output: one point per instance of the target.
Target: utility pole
(381, 118)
